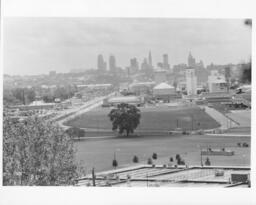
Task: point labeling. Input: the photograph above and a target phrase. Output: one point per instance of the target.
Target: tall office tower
(149, 59)
(102, 66)
(134, 66)
(166, 65)
(144, 65)
(191, 60)
(191, 81)
(112, 64)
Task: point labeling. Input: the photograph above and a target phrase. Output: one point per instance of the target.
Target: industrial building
(132, 100)
(165, 92)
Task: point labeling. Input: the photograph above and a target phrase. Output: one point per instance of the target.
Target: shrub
(150, 161)
(115, 163)
(135, 159)
(154, 156)
(171, 159)
(207, 162)
(177, 157)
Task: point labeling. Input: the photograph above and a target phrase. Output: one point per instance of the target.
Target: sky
(37, 45)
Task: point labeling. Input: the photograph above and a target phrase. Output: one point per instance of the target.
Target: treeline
(18, 96)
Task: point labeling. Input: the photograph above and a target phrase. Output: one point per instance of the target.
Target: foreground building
(171, 176)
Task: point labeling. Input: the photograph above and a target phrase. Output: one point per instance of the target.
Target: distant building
(144, 64)
(134, 66)
(140, 88)
(112, 64)
(166, 65)
(114, 101)
(165, 92)
(217, 82)
(191, 60)
(150, 59)
(191, 81)
(160, 76)
(101, 64)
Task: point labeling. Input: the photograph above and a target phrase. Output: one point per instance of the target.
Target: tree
(114, 163)
(207, 162)
(150, 161)
(154, 156)
(135, 159)
(125, 118)
(37, 153)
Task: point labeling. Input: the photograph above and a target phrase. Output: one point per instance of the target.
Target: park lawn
(99, 153)
(155, 119)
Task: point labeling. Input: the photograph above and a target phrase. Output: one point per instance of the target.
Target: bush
(115, 163)
(177, 157)
(171, 159)
(154, 156)
(239, 144)
(181, 162)
(135, 159)
(207, 162)
(150, 161)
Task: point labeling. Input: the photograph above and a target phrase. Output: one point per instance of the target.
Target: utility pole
(192, 122)
(201, 156)
(93, 177)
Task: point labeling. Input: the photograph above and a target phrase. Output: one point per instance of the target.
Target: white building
(217, 82)
(191, 81)
(165, 92)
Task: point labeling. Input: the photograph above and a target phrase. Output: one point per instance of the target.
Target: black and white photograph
(127, 102)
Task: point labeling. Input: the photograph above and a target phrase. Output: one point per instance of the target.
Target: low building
(165, 92)
(114, 101)
(217, 97)
(140, 88)
(217, 82)
(36, 105)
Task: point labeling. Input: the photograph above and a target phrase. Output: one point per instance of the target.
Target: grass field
(99, 153)
(154, 118)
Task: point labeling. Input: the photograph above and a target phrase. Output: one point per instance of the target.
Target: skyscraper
(191, 60)
(134, 66)
(166, 65)
(191, 81)
(149, 59)
(112, 64)
(101, 64)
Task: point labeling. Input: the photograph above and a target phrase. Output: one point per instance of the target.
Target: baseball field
(159, 118)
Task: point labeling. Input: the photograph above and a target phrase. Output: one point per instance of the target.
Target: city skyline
(63, 44)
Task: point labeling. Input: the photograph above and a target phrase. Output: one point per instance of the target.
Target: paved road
(80, 110)
(224, 121)
(243, 117)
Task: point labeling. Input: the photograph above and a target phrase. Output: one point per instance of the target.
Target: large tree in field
(125, 118)
(37, 153)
